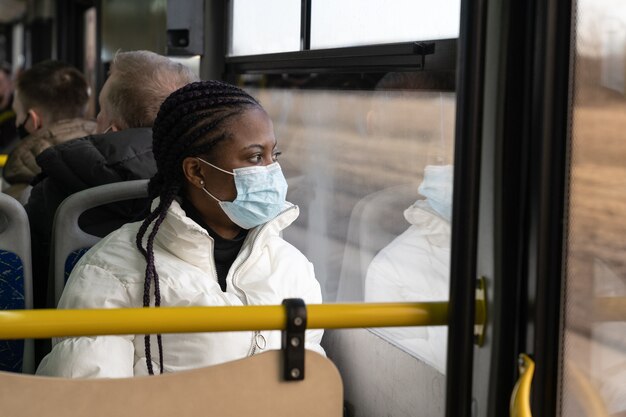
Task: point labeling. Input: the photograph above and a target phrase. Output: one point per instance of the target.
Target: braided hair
(189, 123)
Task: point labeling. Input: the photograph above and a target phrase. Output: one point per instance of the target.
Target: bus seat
(247, 387)
(15, 280)
(70, 242)
(375, 221)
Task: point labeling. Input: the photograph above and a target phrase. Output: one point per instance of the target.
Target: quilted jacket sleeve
(91, 357)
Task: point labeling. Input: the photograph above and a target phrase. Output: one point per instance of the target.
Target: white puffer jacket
(415, 266)
(111, 275)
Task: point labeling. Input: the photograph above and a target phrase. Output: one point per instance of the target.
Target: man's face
(103, 119)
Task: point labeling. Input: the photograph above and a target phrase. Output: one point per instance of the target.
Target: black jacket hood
(99, 159)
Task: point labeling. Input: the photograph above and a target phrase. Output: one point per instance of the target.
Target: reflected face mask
(437, 188)
(261, 194)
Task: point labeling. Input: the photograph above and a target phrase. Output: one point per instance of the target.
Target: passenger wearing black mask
(50, 102)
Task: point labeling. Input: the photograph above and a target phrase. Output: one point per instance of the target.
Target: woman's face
(250, 141)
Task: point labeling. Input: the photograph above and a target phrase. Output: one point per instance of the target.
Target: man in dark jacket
(138, 83)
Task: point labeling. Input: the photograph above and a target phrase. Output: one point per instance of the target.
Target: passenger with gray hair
(138, 82)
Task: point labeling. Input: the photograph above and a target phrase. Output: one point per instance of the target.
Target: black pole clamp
(293, 339)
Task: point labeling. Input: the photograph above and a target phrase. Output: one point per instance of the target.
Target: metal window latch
(293, 339)
(423, 49)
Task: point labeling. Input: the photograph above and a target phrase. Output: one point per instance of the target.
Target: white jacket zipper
(257, 338)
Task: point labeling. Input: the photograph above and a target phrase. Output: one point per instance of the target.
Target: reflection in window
(261, 27)
(372, 174)
(594, 352)
(362, 22)
(416, 265)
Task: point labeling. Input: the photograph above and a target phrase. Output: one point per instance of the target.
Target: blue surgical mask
(261, 193)
(437, 188)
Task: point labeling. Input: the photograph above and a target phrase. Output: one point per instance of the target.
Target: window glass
(594, 354)
(372, 174)
(132, 25)
(362, 22)
(260, 27)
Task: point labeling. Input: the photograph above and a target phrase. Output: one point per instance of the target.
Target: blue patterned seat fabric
(11, 298)
(72, 259)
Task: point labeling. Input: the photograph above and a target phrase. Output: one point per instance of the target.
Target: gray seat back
(16, 286)
(69, 241)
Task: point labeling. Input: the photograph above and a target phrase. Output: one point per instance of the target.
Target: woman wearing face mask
(415, 266)
(212, 238)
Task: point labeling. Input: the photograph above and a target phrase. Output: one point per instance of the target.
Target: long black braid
(189, 123)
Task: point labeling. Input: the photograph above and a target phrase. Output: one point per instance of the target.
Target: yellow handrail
(520, 398)
(3, 159)
(19, 324)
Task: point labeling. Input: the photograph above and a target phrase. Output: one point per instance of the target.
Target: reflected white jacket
(111, 275)
(415, 266)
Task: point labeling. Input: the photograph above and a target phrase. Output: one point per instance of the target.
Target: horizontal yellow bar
(20, 324)
(3, 159)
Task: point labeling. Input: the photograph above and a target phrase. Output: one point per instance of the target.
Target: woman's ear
(192, 169)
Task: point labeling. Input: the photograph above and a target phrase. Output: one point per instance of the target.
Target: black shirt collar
(220, 242)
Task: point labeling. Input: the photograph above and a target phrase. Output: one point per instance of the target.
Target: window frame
(407, 56)
(429, 55)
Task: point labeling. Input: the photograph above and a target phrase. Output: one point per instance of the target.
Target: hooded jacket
(112, 274)
(75, 166)
(21, 166)
(415, 266)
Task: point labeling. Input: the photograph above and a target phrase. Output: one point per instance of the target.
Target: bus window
(367, 22)
(278, 30)
(594, 354)
(364, 113)
(371, 171)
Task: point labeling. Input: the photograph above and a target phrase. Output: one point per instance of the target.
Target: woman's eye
(256, 159)
(276, 155)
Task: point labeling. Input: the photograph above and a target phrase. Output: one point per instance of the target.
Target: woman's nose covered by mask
(261, 194)
(437, 188)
